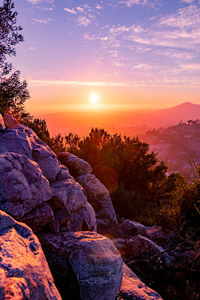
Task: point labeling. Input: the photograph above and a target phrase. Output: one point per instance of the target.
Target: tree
(13, 92)
(138, 183)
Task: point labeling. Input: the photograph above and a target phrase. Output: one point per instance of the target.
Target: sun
(94, 98)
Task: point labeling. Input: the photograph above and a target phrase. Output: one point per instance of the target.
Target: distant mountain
(170, 116)
(126, 122)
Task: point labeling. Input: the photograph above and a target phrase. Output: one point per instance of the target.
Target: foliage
(13, 92)
(136, 180)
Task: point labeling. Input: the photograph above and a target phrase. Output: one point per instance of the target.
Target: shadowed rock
(24, 272)
(39, 217)
(89, 259)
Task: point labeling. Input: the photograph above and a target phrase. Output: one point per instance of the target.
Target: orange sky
(62, 97)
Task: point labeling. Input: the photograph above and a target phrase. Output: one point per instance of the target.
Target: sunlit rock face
(36, 189)
(85, 265)
(97, 194)
(23, 140)
(22, 184)
(24, 272)
(133, 288)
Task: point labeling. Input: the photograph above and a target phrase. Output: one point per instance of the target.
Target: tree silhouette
(13, 92)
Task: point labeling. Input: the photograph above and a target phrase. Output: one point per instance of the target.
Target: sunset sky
(132, 53)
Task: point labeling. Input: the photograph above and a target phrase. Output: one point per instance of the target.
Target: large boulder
(133, 288)
(85, 265)
(22, 185)
(98, 196)
(24, 272)
(23, 140)
(77, 166)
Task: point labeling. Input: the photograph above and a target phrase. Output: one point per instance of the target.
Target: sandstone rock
(2, 124)
(24, 272)
(133, 288)
(98, 196)
(76, 165)
(39, 217)
(23, 140)
(88, 259)
(22, 185)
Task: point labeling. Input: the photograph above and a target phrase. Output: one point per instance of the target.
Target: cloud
(84, 21)
(130, 3)
(42, 21)
(161, 82)
(75, 83)
(39, 1)
(31, 48)
(71, 11)
(185, 17)
(187, 1)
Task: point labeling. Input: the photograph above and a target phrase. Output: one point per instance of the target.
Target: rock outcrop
(89, 259)
(30, 176)
(24, 272)
(97, 194)
(38, 190)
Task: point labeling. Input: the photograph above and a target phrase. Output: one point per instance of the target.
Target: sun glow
(94, 98)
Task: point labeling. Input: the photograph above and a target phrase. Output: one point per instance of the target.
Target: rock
(2, 124)
(86, 260)
(76, 165)
(39, 217)
(132, 228)
(142, 246)
(24, 141)
(69, 195)
(133, 288)
(98, 196)
(24, 272)
(10, 121)
(22, 185)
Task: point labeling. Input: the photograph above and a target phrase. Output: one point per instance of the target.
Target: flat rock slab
(24, 272)
(87, 256)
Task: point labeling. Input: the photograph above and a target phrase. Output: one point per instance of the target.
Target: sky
(133, 54)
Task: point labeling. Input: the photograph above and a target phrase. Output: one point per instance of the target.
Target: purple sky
(131, 52)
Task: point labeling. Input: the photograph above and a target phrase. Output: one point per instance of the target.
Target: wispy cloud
(187, 1)
(42, 21)
(31, 48)
(75, 83)
(164, 82)
(71, 11)
(40, 1)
